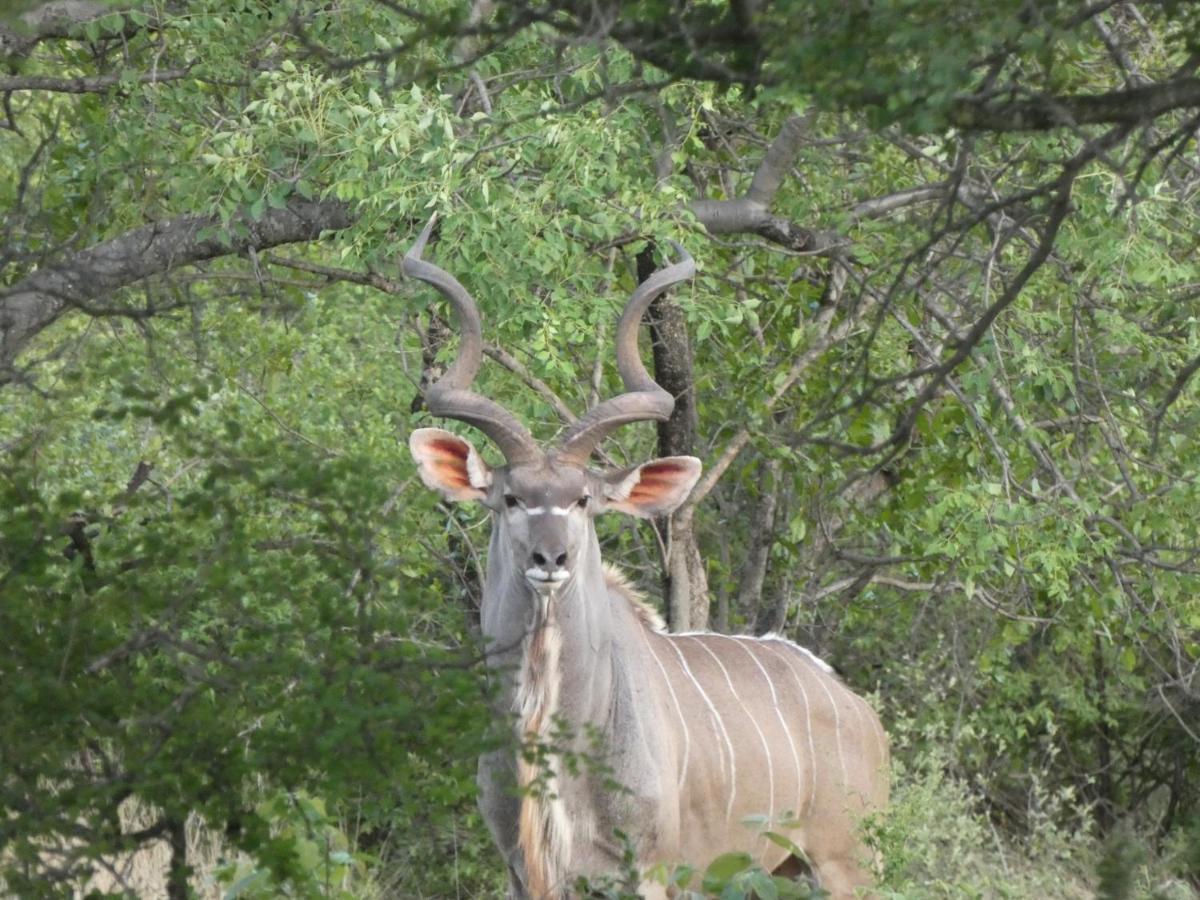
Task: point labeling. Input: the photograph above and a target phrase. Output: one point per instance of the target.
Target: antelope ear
(450, 465)
(654, 488)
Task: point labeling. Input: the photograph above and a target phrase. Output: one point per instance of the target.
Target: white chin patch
(542, 581)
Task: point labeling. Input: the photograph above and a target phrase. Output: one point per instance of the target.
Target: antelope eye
(582, 502)
(510, 501)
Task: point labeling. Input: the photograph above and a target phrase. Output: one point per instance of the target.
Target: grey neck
(581, 612)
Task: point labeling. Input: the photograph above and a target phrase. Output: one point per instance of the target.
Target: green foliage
(735, 876)
(731, 876)
(245, 613)
(937, 841)
(280, 611)
(323, 865)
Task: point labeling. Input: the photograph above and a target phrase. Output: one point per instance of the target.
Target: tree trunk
(177, 876)
(685, 582)
(754, 570)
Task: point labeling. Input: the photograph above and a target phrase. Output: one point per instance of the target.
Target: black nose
(540, 559)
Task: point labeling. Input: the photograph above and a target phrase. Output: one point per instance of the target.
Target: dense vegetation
(938, 362)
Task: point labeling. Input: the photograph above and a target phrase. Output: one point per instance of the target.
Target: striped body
(714, 740)
(671, 741)
(767, 738)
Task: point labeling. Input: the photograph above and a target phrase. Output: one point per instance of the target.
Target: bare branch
(94, 85)
(1131, 106)
(778, 159)
(877, 207)
(36, 301)
(543, 390)
(744, 216)
(751, 213)
(58, 19)
(1180, 382)
(826, 336)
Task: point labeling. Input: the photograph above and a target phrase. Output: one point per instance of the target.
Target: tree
(940, 357)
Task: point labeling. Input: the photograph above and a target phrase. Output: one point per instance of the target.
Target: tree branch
(38, 300)
(778, 160)
(877, 207)
(1131, 106)
(751, 213)
(1181, 379)
(826, 335)
(95, 85)
(57, 19)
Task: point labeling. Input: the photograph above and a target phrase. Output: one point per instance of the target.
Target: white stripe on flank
(761, 736)
(858, 715)
(779, 716)
(868, 713)
(862, 709)
(812, 747)
(678, 711)
(837, 718)
(732, 776)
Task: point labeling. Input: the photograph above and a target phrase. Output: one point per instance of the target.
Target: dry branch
(36, 301)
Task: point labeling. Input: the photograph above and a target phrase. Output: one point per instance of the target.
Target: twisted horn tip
(418, 247)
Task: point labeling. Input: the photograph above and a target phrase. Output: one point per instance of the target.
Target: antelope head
(543, 500)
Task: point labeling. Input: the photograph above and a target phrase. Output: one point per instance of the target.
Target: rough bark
(685, 583)
(687, 578)
(82, 278)
(177, 876)
(1130, 106)
(58, 19)
(754, 569)
(751, 213)
(673, 367)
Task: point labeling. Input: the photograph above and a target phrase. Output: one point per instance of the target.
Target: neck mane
(558, 645)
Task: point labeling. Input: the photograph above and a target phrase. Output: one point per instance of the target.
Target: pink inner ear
(452, 472)
(656, 479)
(450, 448)
(445, 459)
(665, 468)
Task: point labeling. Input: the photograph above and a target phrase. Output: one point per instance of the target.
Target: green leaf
(763, 885)
(681, 876)
(723, 868)
(247, 884)
(782, 840)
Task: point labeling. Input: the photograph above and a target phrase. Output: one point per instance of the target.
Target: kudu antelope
(701, 731)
